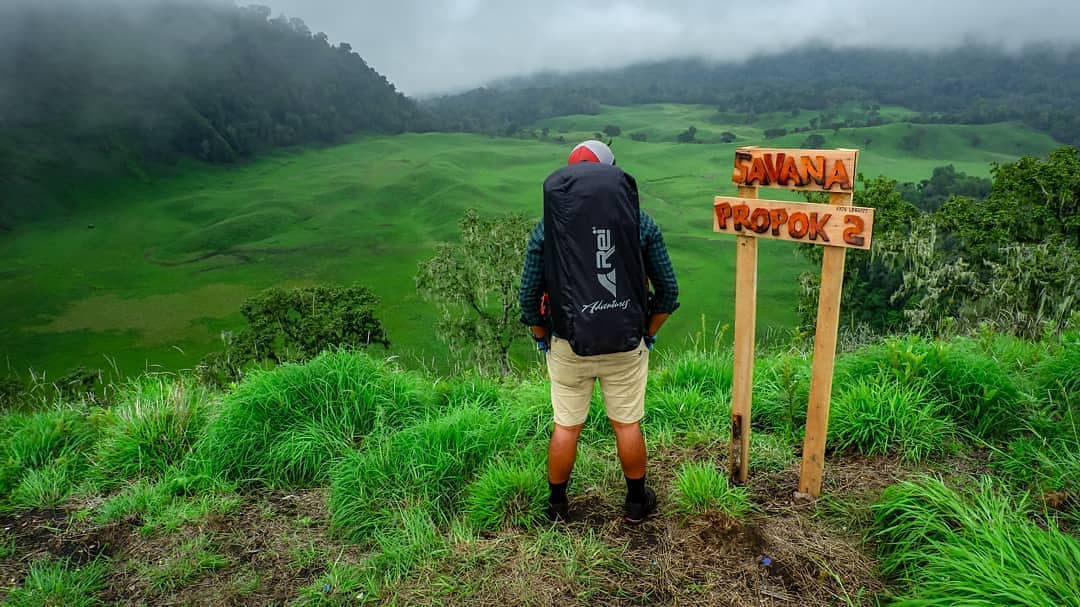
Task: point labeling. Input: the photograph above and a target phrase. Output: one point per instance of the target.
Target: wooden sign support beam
(839, 226)
(742, 382)
(821, 375)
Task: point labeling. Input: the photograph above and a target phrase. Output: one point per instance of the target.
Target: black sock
(635, 489)
(558, 492)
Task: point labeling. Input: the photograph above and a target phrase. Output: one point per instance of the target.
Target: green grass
(508, 493)
(56, 583)
(700, 489)
(285, 427)
(973, 548)
(191, 560)
(173, 257)
(881, 416)
(153, 426)
(428, 463)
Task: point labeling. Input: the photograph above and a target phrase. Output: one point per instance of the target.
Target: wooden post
(828, 319)
(742, 383)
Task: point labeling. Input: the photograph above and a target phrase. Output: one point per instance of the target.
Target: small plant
(430, 463)
(193, 559)
(285, 427)
(41, 488)
(770, 453)
(701, 489)
(60, 583)
(507, 494)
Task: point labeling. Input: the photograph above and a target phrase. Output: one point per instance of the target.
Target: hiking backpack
(593, 264)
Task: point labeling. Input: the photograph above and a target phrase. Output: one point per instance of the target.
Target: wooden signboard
(837, 225)
(807, 170)
(795, 221)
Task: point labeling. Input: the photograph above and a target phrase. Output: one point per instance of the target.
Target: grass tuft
(701, 489)
(879, 416)
(285, 427)
(60, 583)
(978, 548)
(41, 488)
(153, 426)
(508, 494)
(428, 463)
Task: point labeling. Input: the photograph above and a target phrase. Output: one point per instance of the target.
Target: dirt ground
(276, 543)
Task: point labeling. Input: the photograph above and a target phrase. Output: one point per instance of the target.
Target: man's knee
(562, 431)
(625, 426)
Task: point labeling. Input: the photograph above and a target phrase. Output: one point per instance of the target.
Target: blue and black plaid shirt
(657, 268)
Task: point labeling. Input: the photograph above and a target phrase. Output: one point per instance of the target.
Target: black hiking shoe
(639, 511)
(557, 512)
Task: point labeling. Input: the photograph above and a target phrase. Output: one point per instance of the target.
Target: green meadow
(147, 274)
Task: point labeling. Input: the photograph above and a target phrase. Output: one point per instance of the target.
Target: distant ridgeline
(969, 85)
(96, 89)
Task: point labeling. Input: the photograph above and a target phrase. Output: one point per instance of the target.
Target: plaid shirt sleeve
(532, 278)
(658, 268)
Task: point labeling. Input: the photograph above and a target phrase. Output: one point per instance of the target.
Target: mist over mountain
(105, 88)
(974, 84)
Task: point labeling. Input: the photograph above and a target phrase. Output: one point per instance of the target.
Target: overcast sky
(430, 46)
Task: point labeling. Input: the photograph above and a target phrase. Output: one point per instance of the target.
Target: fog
(428, 47)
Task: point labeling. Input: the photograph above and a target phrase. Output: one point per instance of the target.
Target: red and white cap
(591, 151)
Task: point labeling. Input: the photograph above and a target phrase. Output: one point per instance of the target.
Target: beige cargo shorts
(622, 378)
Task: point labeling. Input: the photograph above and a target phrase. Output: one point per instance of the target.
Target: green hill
(167, 262)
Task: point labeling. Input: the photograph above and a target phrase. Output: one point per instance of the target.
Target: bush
(286, 426)
(153, 425)
(700, 489)
(880, 416)
(781, 393)
(52, 440)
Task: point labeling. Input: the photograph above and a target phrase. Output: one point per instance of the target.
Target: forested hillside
(970, 85)
(107, 88)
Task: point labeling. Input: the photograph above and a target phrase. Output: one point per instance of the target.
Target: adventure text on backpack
(593, 264)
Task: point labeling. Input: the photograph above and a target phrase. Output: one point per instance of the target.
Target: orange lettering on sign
(778, 216)
(723, 213)
(817, 228)
(813, 169)
(790, 173)
(773, 169)
(742, 159)
(742, 217)
(853, 235)
(838, 175)
(757, 173)
(798, 225)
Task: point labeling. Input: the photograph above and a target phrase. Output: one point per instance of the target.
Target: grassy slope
(169, 261)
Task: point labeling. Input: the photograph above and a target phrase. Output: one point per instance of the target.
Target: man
(588, 265)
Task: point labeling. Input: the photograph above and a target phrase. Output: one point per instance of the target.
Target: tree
(475, 284)
(612, 131)
(775, 132)
(727, 137)
(815, 141)
(296, 324)
(688, 136)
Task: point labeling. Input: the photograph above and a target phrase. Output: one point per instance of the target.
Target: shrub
(41, 488)
(1058, 376)
(153, 425)
(269, 429)
(701, 488)
(60, 583)
(880, 416)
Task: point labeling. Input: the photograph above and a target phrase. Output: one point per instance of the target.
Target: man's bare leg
(562, 452)
(630, 443)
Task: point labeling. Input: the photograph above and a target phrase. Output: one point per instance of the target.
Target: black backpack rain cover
(593, 265)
